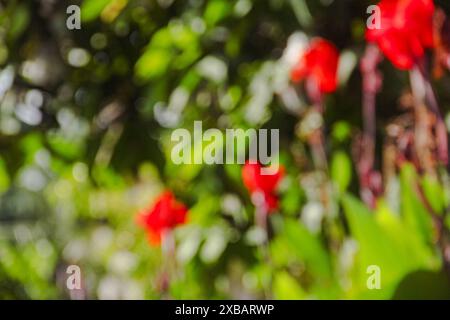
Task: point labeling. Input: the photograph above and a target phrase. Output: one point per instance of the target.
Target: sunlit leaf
(285, 287)
(383, 242)
(216, 11)
(341, 170)
(412, 208)
(19, 21)
(4, 177)
(91, 9)
(308, 248)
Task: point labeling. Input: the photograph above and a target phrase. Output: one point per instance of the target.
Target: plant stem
(441, 129)
(316, 138)
(316, 141)
(168, 254)
(371, 85)
(424, 94)
(261, 217)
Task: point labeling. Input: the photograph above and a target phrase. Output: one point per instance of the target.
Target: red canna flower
(256, 182)
(165, 214)
(318, 64)
(406, 30)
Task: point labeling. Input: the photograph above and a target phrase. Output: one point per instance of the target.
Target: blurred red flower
(406, 30)
(256, 182)
(318, 64)
(165, 214)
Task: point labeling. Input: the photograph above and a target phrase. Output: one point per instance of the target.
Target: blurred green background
(85, 123)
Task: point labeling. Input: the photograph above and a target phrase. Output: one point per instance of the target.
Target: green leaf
(69, 148)
(216, 11)
(4, 177)
(373, 247)
(302, 12)
(153, 63)
(19, 21)
(204, 212)
(308, 248)
(175, 46)
(412, 208)
(434, 193)
(91, 9)
(384, 241)
(411, 249)
(291, 201)
(341, 131)
(341, 170)
(107, 177)
(286, 287)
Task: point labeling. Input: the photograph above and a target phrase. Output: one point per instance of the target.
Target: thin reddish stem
(372, 80)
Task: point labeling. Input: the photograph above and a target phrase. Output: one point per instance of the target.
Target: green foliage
(91, 9)
(416, 215)
(86, 118)
(4, 177)
(341, 170)
(387, 241)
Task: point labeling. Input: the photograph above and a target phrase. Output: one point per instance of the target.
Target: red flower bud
(318, 64)
(264, 185)
(165, 214)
